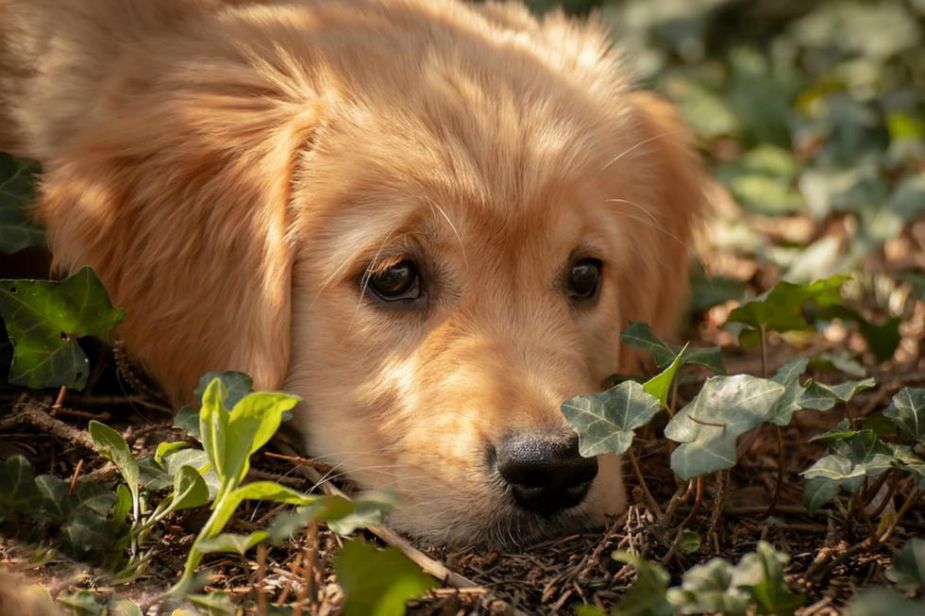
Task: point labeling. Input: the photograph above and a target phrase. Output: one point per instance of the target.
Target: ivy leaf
(647, 596)
(237, 385)
(659, 386)
(377, 582)
(770, 592)
(790, 400)
(709, 426)
(708, 588)
(342, 515)
(640, 336)
(45, 318)
(781, 308)
(880, 601)
(17, 191)
(18, 493)
(907, 411)
(605, 421)
(908, 570)
(822, 397)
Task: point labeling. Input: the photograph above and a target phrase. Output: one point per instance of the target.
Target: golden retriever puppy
(429, 219)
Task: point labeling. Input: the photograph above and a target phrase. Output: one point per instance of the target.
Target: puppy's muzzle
(544, 474)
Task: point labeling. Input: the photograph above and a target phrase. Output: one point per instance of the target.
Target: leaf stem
(764, 351)
(653, 504)
(775, 496)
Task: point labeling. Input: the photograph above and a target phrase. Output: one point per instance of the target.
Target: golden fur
(230, 169)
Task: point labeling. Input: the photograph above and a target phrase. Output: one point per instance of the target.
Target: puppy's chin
(493, 519)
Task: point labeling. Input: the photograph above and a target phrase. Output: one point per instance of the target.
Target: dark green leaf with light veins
(709, 426)
(907, 411)
(647, 596)
(605, 421)
(45, 318)
(908, 570)
(17, 191)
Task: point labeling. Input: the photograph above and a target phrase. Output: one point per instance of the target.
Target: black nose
(545, 475)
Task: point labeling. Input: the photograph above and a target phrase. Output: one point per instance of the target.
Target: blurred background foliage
(810, 114)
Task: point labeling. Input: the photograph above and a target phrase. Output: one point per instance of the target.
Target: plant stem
(775, 496)
(645, 488)
(764, 352)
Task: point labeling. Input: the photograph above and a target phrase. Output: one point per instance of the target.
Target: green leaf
(781, 308)
(189, 490)
(17, 191)
(342, 515)
(790, 401)
(113, 447)
(690, 541)
(56, 502)
(770, 592)
(908, 570)
(907, 411)
(259, 490)
(18, 493)
(709, 426)
(123, 506)
(880, 601)
(166, 448)
(370, 509)
(659, 386)
(377, 582)
(187, 420)
(647, 596)
(709, 588)
(45, 318)
(640, 336)
(232, 543)
(251, 424)
(237, 385)
(605, 421)
(822, 397)
(213, 426)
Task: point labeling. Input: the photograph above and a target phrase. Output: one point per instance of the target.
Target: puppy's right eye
(396, 283)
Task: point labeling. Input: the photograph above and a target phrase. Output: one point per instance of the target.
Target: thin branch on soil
(26, 411)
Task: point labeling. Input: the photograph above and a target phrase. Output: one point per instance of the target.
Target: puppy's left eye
(584, 278)
(401, 281)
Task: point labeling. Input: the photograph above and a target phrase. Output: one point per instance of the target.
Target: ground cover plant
(776, 457)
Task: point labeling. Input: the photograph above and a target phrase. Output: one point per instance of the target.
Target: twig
(75, 477)
(59, 400)
(430, 566)
(28, 412)
(690, 516)
(261, 576)
(642, 483)
(315, 464)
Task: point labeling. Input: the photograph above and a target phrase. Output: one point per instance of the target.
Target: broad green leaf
(18, 493)
(908, 570)
(83, 603)
(906, 461)
(45, 318)
(838, 362)
(659, 386)
(840, 431)
(880, 601)
(259, 490)
(213, 426)
(605, 421)
(820, 490)
(251, 424)
(187, 420)
(781, 308)
(907, 411)
(168, 447)
(709, 426)
(232, 543)
(113, 447)
(87, 532)
(342, 515)
(17, 191)
(56, 501)
(189, 490)
(124, 607)
(647, 596)
(122, 506)
(214, 604)
(377, 582)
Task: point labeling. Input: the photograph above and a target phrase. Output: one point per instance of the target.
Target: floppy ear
(672, 180)
(180, 201)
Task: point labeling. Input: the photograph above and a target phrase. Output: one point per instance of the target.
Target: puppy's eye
(584, 278)
(398, 282)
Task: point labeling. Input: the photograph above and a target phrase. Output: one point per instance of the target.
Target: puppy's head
(434, 259)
